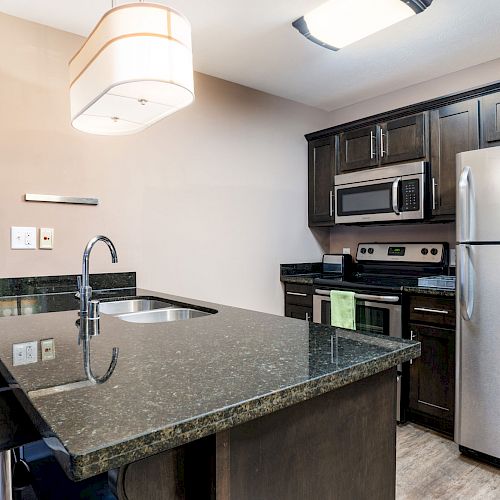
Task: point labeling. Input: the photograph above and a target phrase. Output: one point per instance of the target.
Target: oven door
(380, 314)
(374, 313)
(382, 200)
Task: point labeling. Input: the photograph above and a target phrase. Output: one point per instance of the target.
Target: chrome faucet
(85, 288)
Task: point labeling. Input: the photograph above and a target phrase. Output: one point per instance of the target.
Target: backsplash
(349, 236)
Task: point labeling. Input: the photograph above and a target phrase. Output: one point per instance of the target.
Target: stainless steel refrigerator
(477, 421)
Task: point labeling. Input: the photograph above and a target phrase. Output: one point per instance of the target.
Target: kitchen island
(250, 405)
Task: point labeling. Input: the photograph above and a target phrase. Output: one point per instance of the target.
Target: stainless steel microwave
(385, 194)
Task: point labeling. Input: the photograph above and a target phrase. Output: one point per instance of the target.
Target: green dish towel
(343, 309)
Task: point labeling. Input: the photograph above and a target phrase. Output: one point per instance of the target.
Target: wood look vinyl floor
(430, 466)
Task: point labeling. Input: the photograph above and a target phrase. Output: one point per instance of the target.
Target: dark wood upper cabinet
(321, 173)
(454, 129)
(404, 139)
(359, 149)
(432, 378)
(490, 120)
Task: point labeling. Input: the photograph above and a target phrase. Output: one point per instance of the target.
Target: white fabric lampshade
(135, 68)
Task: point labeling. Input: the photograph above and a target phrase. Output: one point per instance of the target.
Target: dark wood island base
(340, 445)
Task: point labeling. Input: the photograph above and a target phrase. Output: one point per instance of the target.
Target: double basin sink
(150, 310)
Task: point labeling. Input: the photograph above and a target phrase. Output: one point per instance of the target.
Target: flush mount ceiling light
(338, 23)
(134, 69)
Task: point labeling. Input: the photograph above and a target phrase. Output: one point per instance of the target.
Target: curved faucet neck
(86, 290)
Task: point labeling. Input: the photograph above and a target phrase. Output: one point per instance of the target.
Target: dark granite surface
(299, 279)
(300, 274)
(177, 382)
(60, 284)
(436, 292)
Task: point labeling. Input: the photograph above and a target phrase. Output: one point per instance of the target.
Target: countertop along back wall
(205, 204)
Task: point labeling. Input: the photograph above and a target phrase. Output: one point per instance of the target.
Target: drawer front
(433, 310)
(299, 295)
(298, 312)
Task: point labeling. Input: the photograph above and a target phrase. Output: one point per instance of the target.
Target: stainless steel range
(378, 280)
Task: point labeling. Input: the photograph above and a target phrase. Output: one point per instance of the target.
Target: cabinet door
(321, 172)
(358, 149)
(432, 375)
(454, 129)
(298, 312)
(404, 139)
(490, 120)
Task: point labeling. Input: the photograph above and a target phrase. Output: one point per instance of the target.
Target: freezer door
(478, 195)
(478, 349)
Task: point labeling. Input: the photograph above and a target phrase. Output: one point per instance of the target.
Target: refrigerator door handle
(465, 205)
(466, 276)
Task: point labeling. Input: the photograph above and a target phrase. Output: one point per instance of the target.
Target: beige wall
(466, 79)
(205, 204)
(476, 76)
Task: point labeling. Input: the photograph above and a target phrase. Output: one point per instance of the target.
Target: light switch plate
(23, 238)
(46, 238)
(346, 251)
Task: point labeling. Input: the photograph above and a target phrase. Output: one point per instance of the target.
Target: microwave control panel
(410, 195)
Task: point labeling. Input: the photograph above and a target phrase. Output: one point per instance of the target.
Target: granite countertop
(299, 279)
(436, 292)
(176, 382)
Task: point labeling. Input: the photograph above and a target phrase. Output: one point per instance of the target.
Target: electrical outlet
(48, 349)
(31, 352)
(46, 238)
(25, 353)
(23, 238)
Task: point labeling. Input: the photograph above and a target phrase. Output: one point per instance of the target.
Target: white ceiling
(253, 43)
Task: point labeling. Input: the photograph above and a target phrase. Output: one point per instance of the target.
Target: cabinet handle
(382, 152)
(307, 316)
(433, 311)
(297, 294)
(372, 149)
(331, 203)
(412, 337)
(434, 184)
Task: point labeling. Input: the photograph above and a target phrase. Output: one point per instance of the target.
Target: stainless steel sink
(116, 307)
(163, 315)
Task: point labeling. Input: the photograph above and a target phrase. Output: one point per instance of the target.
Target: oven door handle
(361, 296)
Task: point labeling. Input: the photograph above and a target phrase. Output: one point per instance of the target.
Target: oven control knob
(424, 251)
(434, 251)
(363, 251)
(370, 251)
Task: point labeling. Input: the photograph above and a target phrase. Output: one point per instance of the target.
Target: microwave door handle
(395, 195)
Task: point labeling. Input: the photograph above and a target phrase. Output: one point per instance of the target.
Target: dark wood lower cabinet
(298, 312)
(298, 301)
(432, 379)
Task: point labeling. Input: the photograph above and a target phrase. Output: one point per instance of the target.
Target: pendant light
(134, 69)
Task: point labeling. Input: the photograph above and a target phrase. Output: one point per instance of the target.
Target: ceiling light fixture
(338, 23)
(134, 69)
